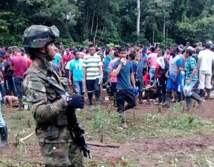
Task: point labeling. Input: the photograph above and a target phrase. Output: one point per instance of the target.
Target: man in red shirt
(19, 66)
(66, 58)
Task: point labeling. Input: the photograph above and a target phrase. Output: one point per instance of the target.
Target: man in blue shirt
(123, 70)
(76, 73)
(131, 58)
(143, 59)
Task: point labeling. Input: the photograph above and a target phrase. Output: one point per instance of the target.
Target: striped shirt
(92, 64)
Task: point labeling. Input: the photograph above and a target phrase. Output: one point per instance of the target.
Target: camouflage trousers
(62, 155)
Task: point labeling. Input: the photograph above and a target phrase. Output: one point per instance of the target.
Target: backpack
(8, 71)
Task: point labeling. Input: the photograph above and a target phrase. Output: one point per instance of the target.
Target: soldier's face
(52, 50)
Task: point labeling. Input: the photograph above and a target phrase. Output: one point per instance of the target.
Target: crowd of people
(39, 70)
(181, 71)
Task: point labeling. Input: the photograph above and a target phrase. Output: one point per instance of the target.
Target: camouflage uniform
(57, 147)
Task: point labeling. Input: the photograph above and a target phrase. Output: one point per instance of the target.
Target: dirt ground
(143, 151)
(171, 151)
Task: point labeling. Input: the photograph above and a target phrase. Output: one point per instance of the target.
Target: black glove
(75, 101)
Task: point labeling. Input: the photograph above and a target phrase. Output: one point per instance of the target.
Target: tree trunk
(164, 23)
(95, 33)
(138, 20)
(164, 31)
(92, 24)
(153, 36)
(65, 24)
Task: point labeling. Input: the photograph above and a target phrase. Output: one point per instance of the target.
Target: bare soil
(144, 152)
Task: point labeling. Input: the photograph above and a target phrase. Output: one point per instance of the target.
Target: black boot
(179, 96)
(160, 98)
(208, 94)
(188, 103)
(115, 102)
(164, 97)
(4, 136)
(97, 100)
(140, 97)
(90, 96)
(127, 107)
(123, 124)
(196, 97)
(168, 99)
(202, 93)
(20, 108)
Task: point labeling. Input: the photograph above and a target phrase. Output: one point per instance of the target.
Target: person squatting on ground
(93, 74)
(205, 61)
(174, 81)
(19, 66)
(49, 107)
(190, 80)
(123, 70)
(3, 128)
(76, 74)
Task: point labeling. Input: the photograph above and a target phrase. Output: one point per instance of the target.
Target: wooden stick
(24, 138)
(103, 145)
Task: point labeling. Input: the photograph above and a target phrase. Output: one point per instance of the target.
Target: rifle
(74, 127)
(77, 132)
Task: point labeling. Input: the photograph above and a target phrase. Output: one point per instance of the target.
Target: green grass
(149, 126)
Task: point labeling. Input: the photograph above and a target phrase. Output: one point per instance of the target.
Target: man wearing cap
(48, 106)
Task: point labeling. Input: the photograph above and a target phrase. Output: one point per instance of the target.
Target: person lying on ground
(10, 101)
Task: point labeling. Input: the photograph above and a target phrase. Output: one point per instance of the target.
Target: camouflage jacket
(45, 104)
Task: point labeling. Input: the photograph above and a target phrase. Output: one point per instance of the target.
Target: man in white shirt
(205, 61)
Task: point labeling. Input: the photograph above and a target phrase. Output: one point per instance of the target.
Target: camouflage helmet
(37, 36)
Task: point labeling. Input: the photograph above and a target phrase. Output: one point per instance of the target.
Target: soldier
(47, 106)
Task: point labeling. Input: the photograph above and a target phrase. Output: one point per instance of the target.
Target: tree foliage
(110, 21)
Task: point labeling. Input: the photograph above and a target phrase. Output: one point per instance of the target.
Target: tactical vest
(52, 95)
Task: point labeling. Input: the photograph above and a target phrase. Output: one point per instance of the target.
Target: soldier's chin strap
(45, 60)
